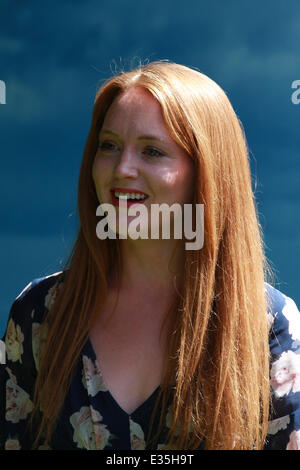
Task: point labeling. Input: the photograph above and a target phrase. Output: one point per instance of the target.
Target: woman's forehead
(136, 99)
(136, 109)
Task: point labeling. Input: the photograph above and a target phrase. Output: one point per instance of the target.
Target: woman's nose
(127, 165)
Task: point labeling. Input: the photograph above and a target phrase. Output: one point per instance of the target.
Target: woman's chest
(131, 358)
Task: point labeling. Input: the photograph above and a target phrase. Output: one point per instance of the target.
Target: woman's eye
(152, 152)
(107, 146)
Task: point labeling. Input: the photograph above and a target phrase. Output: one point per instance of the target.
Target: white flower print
(12, 444)
(294, 442)
(11, 375)
(291, 313)
(91, 377)
(14, 341)
(18, 403)
(89, 433)
(285, 374)
(137, 438)
(52, 294)
(278, 424)
(296, 344)
(39, 336)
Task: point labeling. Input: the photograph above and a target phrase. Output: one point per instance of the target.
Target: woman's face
(136, 152)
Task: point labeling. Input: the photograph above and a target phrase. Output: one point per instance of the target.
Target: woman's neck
(151, 266)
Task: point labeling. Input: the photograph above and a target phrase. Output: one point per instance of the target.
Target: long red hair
(218, 353)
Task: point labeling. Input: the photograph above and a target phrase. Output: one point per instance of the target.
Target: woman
(141, 343)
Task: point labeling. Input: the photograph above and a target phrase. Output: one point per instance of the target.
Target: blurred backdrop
(53, 57)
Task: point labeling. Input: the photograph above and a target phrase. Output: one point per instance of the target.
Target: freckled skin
(164, 172)
(128, 163)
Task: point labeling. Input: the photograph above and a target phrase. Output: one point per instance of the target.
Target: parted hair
(217, 367)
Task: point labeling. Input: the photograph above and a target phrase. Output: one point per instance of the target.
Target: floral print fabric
(91, 419)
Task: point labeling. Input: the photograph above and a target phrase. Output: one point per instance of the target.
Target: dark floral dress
(91, 419)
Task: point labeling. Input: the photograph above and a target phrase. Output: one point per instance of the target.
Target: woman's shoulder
(36, 298)
(278, 301)
(26, 314)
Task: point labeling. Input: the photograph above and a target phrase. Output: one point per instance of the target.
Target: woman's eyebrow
(106, 131)
(142, 137)
(152, 137)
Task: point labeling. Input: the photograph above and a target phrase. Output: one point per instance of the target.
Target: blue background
(53, 57)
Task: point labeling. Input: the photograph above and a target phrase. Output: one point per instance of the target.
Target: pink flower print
(89, 433)
(92, 378)
(12, 444)
(14, 341)
(18, 403)
(52, 294)
(278, 424)
(285, 374)
(102, 435)
(137, 437)
(294, 442)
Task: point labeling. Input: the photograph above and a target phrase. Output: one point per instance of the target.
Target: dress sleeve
(18, 375)
(284, 424)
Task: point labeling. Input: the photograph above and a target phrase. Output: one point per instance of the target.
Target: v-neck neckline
(93, 356)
